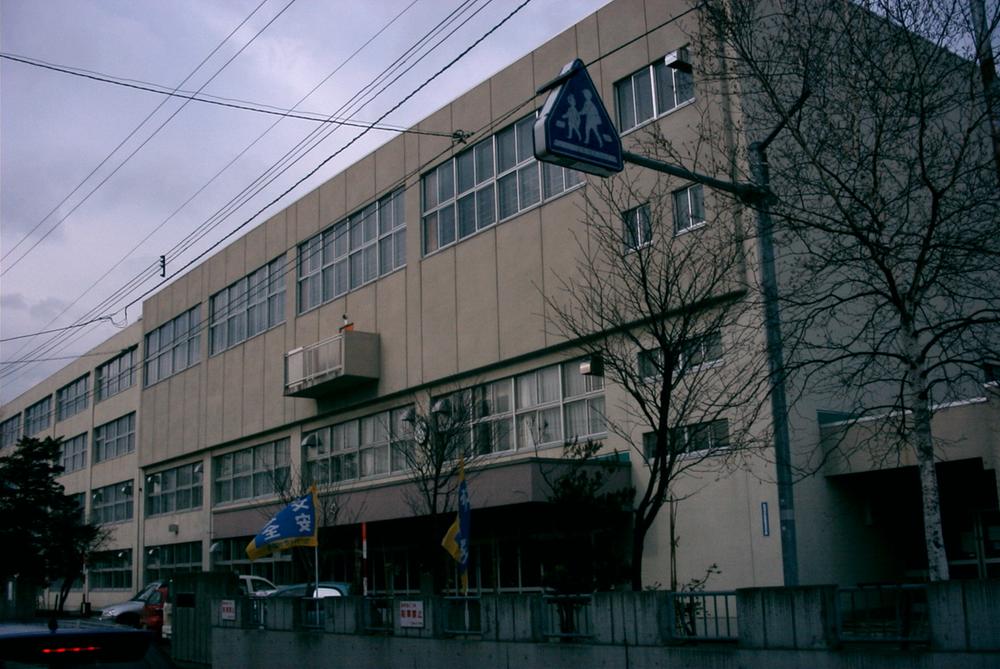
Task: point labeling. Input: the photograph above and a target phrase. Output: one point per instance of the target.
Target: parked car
(152, 617)
(256, 586)
(129, 612)
(77, 642)
(326, 589)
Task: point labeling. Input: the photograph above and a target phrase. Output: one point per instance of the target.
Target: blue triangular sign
(574, 129)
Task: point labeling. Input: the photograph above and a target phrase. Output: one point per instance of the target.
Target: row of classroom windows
(547, 405)
(500, 564)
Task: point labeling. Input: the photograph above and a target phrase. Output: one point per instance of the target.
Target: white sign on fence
(227, 609)
(411, 614)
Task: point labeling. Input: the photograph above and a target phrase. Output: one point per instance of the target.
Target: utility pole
(758, 194)
(559, 148)
(983, 34)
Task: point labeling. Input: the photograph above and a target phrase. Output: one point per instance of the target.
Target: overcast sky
(56, 129)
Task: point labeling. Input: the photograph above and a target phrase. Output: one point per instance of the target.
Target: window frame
(239, 301)
(10, 431)
(359, 449)
(75, 459)
(249, 466)
(324, 261)
(33, 424)
(167, 563)
(163, 344)
(166, 485)
(656, 94)
(445, 187)
(652, 358)
(72, 398)
(111, 378)
(691, 431)
(688, 220)
(111, 565)
(109, 502)
(637, 227)
(103, 441)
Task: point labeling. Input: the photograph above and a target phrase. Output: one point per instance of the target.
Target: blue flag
(456, 540)
(295, 525)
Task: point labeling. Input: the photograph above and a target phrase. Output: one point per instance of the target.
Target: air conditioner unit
(678, 60)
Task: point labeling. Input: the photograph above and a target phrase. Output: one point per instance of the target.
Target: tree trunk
(923, 445)
(639, 530)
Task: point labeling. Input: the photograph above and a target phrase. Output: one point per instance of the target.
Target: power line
(315, 117)
(155, 132)
(356, 138)
(346, 146)
(491, 124)
(141, 279)
(62, 329)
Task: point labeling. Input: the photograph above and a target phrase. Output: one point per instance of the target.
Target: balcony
(343, 361)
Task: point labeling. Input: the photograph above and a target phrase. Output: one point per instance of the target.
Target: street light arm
(744, 191)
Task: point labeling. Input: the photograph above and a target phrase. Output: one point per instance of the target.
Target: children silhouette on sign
(593, 118)
(572, 117)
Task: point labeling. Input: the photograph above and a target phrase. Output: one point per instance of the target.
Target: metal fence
(895, 613)
(378, 615)
(567, 616)
(313, 612)
(463, 615)
(703, 616)
(257, 608)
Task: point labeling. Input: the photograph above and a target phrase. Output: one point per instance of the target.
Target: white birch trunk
(922, 441)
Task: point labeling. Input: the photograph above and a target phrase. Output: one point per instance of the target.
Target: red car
(152, 613)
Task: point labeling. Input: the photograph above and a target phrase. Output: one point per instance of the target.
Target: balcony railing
(342, 361)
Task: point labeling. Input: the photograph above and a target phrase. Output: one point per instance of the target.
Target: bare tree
(436, 440)
(885, 205)
(659, 298)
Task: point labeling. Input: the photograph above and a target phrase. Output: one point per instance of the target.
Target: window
(177, 489)
(694, 438)
(111, 570)
(492, 408)
(37, 416)
(704, 349)
(583, 408)
(651, 92)
(698, 437)
(492, 181)
(638, 227)
(162, 562)
(80, 500)
(248, 307)
(364, 447)
(229, 555)
(71, 399)
(251, 472)
(991, 373)
(10, 431)
(540, 408)
(112, 503)
(115, 375)
(114, 439)
(689, 208)
(73, 453)
(357, 250)
(172, 347)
